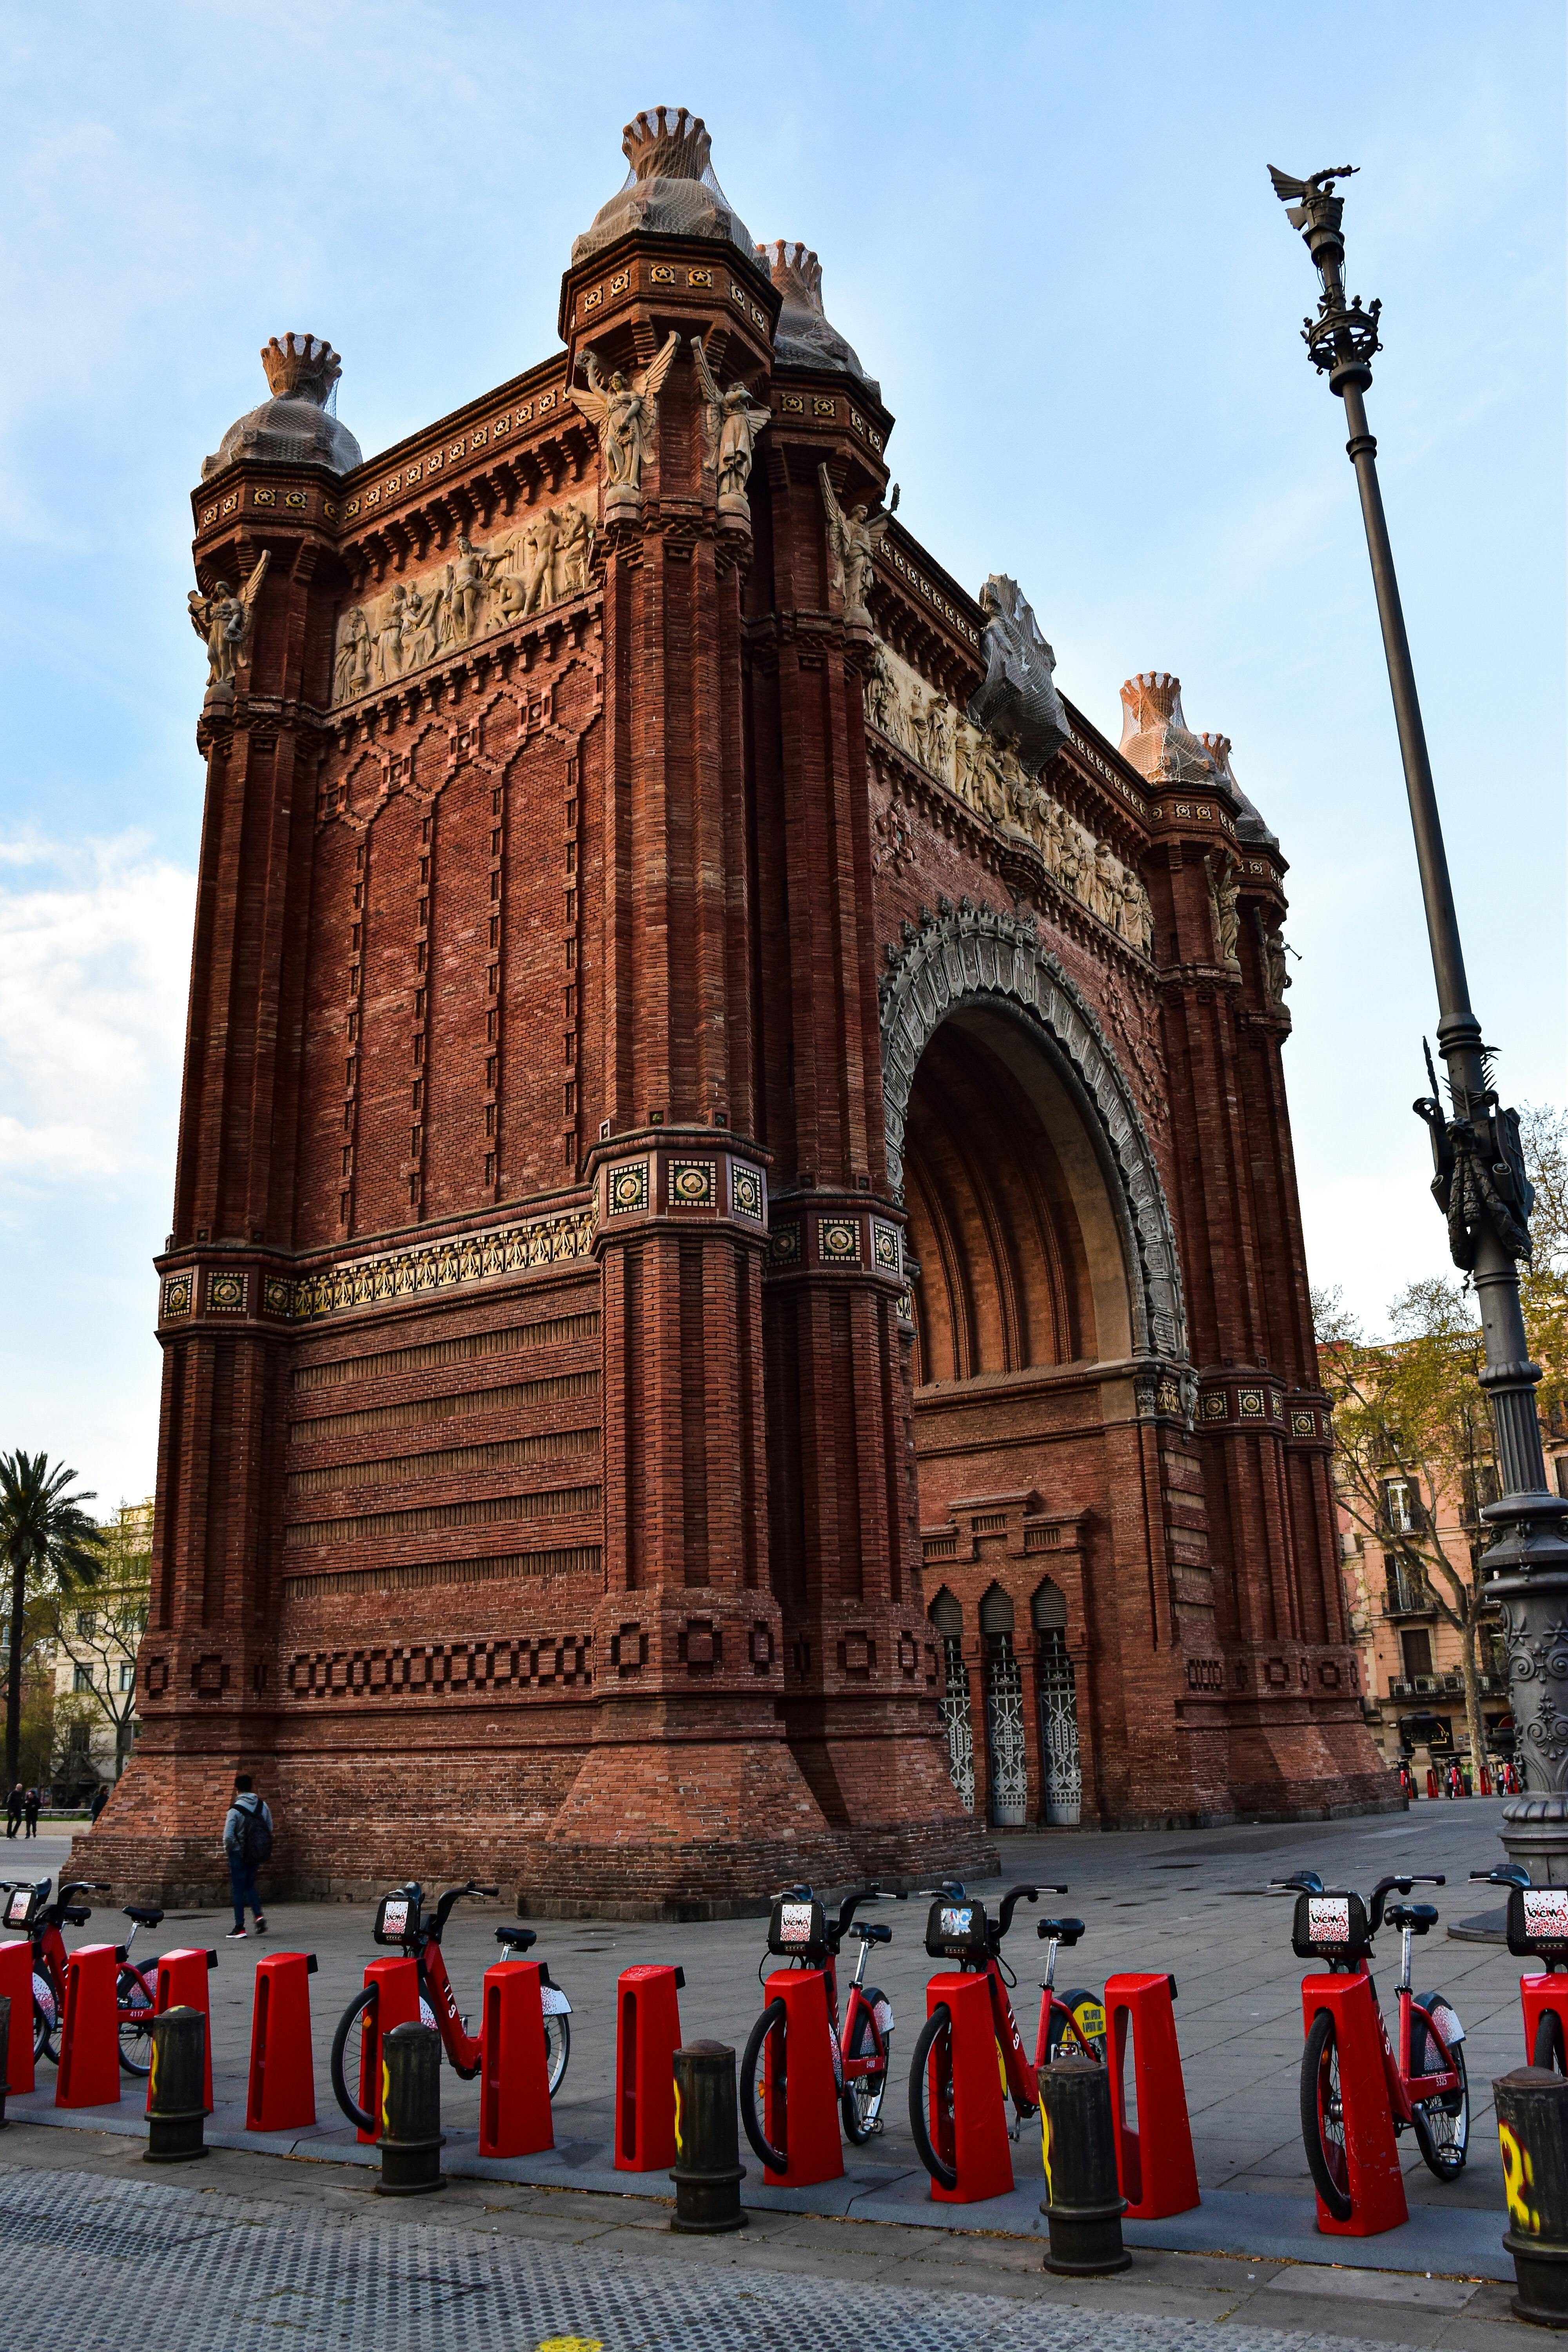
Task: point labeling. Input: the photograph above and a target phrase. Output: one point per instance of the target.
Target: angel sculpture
(730, 429)
(222, 621)
(624, 414)
(853, 543)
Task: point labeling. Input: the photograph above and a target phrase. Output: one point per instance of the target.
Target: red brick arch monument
(736, 1306)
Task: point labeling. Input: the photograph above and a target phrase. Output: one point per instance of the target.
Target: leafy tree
(47, 1543)
(100, 1639)
(1411, 1421)
(1411, 1430)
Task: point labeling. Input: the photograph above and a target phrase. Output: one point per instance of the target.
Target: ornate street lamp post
(1479, 1180)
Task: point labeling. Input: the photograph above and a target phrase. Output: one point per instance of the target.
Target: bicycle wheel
(1549, 2051)
(134, 1999)
(1089, 2015)
(354, 2015)
(1443, 2123)
(861, 2100)
(1323, 2116)
(935, 2044)
(557, 2049)
(45, 2021)
(753, 2082)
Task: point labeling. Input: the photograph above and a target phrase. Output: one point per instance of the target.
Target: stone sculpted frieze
(480, 589)
(990, 778)
(965, 954)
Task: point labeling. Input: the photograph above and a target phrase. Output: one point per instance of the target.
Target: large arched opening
(1044, 1294)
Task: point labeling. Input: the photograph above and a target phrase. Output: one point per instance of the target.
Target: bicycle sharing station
(1103, 2084)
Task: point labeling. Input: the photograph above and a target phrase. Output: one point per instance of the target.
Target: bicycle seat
(520, 1938)
(1061, 1931)
(76, 1915)
(1419, 1917)
(873, 1932)
(146, 1915)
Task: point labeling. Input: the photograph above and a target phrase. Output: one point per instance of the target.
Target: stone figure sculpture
(1017, 699)
(352, 675)
(853, 541)
(878, 693)
(389, 637)
(624, 416)
(729, 428)
(1225, 897)
(222, 621)
(574, 551)
(1271, 939)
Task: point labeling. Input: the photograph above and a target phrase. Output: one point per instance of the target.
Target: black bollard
(5, 2053)
(411, 2138)
(1083, 2204)
(176, 2088)
(708, 2168)
(1532, 2125)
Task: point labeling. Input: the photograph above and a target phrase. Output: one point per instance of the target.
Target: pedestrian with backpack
(247, 1844)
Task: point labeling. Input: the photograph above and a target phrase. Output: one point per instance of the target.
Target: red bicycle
(31, 1913)
(1072, 2023)
(401, 1922)
(798, 1932)
(958, 1930)
(1425, 2082)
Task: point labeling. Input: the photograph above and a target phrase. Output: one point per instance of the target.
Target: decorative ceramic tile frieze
(226, 1294)
(628, 1189)
(838, 1240)
(178, 1291)
(1213, 1405)
(693, 1184)
(885, 1250)
(745, 1191)
(1252, 1404)
(783, 1245)
(441, 1266)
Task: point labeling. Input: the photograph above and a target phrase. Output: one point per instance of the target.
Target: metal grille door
(955, 1720)
(1058, 1733)
(1005, 1723)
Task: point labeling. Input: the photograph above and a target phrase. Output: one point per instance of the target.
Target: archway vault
(972, 958)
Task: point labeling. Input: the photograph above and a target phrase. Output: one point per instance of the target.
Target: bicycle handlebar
(454, 1894)
(1010, 1901)
(1507, 1873)
(847, 1912)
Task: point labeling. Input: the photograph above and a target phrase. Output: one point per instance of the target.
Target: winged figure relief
(729, 427)
(624, 413)
(223, 622)
(854, 540)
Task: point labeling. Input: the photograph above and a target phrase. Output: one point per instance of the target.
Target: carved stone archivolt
(480, 590)
(971, 955)
(991, 778)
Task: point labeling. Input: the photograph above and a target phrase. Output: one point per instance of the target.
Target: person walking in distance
(13, 1813)
(246, 1843)
(30, 1811)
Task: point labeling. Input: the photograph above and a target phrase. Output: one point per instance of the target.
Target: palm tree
(43, 1534)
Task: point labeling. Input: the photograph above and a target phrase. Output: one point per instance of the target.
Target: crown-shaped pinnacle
(666, 142)
(300, 367)
(793, 268)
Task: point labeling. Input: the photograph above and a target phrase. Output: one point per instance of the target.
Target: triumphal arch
(736, 1306)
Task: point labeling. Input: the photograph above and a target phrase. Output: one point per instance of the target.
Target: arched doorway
(947, 1618)
(1006, 1753)
(1061, 1767)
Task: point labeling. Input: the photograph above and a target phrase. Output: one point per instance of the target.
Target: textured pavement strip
(89, 2261)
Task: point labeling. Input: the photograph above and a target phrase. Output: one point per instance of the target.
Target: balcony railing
(1445, 1685)
(1409, 1599)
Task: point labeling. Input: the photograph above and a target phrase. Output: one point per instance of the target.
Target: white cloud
(94, 964)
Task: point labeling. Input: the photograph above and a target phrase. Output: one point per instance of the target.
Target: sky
(1048, 230)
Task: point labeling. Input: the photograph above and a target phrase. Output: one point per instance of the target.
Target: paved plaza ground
(1192, 1903)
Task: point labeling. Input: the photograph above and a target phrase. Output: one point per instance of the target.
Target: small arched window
(996, 1611)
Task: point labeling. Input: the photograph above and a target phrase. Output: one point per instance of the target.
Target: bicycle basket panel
(21, 1903)
(397, 1920)
(956, 1931)
(1329, 1926)
(1538, 1922)
(797, 1931)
